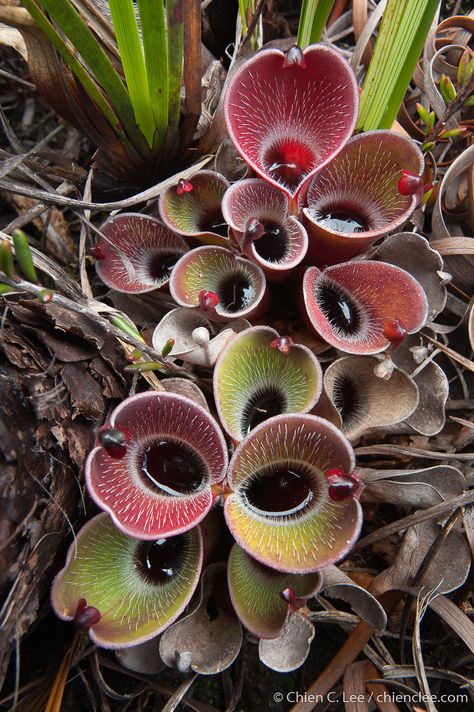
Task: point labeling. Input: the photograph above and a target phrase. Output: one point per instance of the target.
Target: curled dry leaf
(413, 253)
(144, 659)
(209, 638)
(460, 266)
(338, 585)
(185, 387)
(12, 38)
(471, 326)
(229, 163)
(455, 618)
(412, 488)
(433, 387)
(447, 570)
(289, 651)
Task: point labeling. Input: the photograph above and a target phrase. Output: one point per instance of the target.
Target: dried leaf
(414, 254)
(412, 488)
(433, 387)
(209, 639)
(187, 388)
(338, 585)
(346, 654)
(144, 658)
(289, 651)
(447, 570)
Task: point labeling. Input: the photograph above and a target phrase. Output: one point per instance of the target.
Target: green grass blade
(247, 10)
(71, 60)
(406, 72)
(133, 62)
(244, 5)
(70, 22)
(402, 35)
(313, 18)
(175, 19)
(153, 26)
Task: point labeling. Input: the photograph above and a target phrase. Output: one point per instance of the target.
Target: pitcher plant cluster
(236, 507)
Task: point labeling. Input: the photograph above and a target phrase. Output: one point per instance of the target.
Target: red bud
(294, 56)
(341, 485)
(410, 183)
(184, 186)
(394, 331)
(98, 252)
(85, 616)
(283, 344)
(114, 442)
(290, 597)
(208, 300)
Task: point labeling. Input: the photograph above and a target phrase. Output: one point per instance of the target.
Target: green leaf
(72, 25)
(144, 367)
(167, 348)
(6, 259)
(313, 18)
(244, 7)
(405, 26)
(153, 26)
(133, 62)
(446, 87)
(247, 11)
(453, 132)
(174, 15)
(126, 326)
(23, 256)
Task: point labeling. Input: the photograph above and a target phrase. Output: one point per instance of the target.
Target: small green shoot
(24, 257)
(144, 367)
(6, 259)
(126, 326)
(167, 348)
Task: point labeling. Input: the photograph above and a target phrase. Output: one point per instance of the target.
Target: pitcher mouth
(339, 308)
(281, 490)
(171, 467)
(235, 292)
